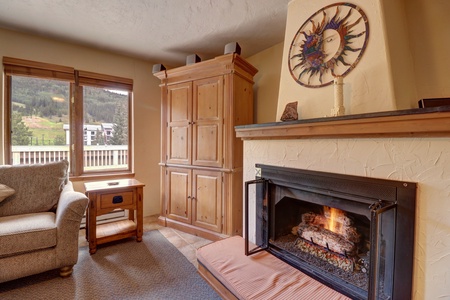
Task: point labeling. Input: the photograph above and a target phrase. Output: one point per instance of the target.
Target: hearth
(354, 234)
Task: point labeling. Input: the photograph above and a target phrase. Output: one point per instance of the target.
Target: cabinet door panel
(179, 200)
(179, 131)
(207, 201)
(206, 149)
(208, 122)
(179, 145)
(207, 93)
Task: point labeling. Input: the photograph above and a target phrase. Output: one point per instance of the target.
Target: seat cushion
(29, 232)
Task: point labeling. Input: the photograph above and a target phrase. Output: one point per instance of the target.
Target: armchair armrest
(71, 208)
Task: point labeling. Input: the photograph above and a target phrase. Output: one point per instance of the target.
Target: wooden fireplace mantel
(422, 122)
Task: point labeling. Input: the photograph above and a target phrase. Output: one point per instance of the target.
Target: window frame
(77, 80)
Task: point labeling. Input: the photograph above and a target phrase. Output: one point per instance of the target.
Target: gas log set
(330, 237)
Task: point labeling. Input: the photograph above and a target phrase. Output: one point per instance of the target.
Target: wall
(369, 87)
(400, 61)
(418, 57)
(146, 97)
(426, 161)
(267, 83)
(428, 23)
(418, 47)
(146, 94)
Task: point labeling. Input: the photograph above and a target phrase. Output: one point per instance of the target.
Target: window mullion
(130, 131)
(76, 138)
(7, 121)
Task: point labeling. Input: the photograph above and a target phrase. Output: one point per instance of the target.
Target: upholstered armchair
(40, 216)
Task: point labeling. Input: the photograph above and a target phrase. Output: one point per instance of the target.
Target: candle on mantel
(339, 109)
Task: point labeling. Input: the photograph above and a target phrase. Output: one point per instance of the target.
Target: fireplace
(354, 234)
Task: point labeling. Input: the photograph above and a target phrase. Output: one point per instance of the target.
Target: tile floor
(185, 243)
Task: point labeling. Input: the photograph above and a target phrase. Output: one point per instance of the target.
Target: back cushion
(37, 187)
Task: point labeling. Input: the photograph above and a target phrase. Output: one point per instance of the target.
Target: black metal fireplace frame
(362, 190)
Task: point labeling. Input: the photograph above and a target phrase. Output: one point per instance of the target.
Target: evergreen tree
(99, 139)
(120, 127)
(20, 132)
(59, 140)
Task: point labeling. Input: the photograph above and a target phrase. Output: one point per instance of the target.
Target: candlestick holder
(338, 109)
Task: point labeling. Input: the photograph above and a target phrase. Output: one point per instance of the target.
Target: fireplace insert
(354, 234)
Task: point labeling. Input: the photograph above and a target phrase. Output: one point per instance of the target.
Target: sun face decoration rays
(326, 47)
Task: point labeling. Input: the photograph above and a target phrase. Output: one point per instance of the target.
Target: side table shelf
(106, 196)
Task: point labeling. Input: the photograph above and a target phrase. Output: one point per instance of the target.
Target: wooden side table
(105, 196)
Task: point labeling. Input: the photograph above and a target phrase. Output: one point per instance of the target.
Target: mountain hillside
(50, 98)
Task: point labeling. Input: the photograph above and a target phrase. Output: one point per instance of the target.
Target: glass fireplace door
(382, 250)
(260, 240)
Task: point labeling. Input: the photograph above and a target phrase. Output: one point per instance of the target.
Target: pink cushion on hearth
(259, 276)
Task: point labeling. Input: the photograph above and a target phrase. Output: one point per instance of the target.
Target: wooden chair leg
(65, 271)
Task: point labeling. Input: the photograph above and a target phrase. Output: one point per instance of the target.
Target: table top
(95, 186)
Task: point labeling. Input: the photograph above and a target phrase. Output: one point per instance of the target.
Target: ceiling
(161, 31)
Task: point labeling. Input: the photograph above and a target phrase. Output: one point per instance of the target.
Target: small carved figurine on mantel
(290, 112)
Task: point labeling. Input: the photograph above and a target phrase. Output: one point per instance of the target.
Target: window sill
(102, 176)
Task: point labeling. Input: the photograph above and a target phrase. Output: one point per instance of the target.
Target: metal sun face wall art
(330, 43)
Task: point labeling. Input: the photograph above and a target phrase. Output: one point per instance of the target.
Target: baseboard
(204, 233)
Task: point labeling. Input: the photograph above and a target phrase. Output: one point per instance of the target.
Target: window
(56, 112)
(39, 108)
(104, 109)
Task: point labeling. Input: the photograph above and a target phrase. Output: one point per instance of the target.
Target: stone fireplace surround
(410, 145)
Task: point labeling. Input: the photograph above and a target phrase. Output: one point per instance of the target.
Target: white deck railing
(94, 157)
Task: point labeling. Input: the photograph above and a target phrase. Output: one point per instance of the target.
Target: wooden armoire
(201, 158)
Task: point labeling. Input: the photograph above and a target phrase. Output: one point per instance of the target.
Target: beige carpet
(152, 269)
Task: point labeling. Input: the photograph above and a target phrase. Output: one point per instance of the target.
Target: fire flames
(330, 236)
(333, 216)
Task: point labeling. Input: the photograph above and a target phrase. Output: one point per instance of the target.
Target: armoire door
(207, 199)
(208, 122)
(178, 193)
(179, 123)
